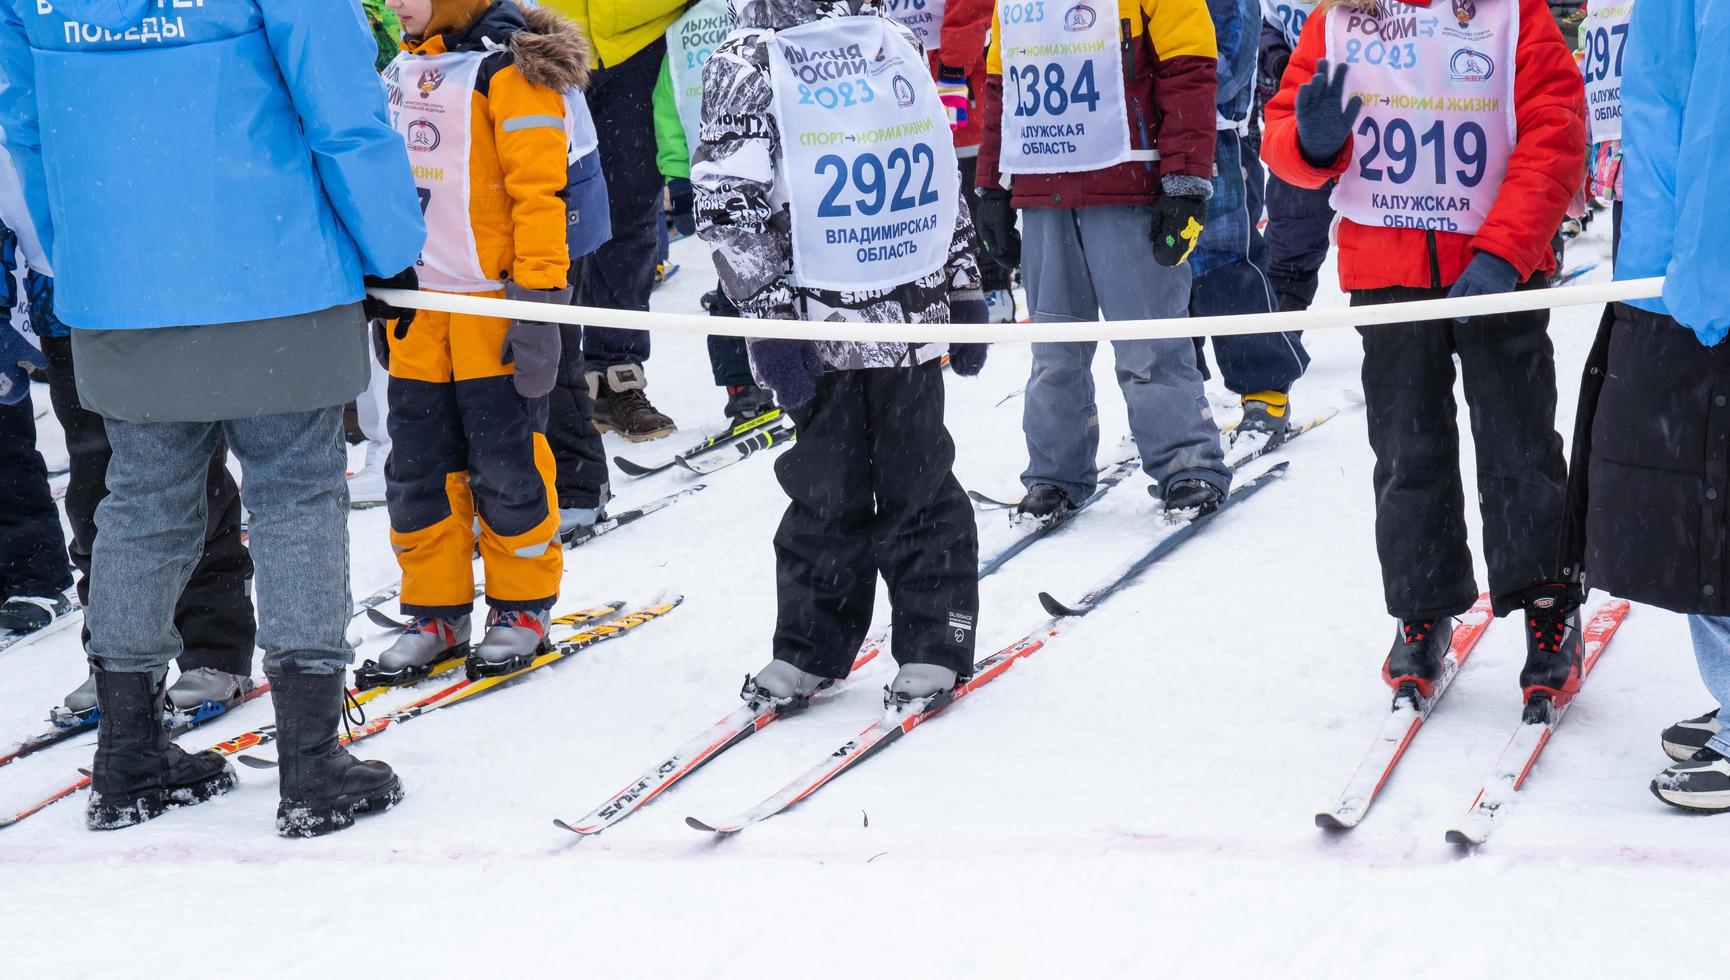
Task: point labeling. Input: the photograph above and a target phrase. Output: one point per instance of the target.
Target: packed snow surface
(1134, 800)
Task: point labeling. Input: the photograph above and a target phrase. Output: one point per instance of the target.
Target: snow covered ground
(1134, 800)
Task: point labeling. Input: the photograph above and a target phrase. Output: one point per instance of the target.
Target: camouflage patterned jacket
(732, 173)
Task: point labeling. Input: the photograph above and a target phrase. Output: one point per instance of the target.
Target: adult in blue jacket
(212, 182)
(1652, 449)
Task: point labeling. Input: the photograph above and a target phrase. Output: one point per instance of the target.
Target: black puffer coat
(1650, 488)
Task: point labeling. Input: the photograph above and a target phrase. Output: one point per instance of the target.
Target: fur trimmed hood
(552, 50)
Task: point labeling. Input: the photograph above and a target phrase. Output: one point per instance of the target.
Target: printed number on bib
(1405, 151)
(1602, 58)
(870, 179)
(1049, 91)
(1291, 19)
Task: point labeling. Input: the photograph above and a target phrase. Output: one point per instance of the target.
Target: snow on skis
(1528, 741)
(898, 720)
(1401, 726)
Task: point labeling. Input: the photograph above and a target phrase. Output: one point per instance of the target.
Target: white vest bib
(1063, 102)
(923, 17)
(867, 165)
(691, 40)
(1604, 36)
(431, 102)
(1431, 146)
(1289, 16)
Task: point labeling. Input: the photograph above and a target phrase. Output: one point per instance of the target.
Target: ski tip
(1056, 608)
(1337, 820)
(383, 620)
(1462, 839)
(565, 826)
(254, 762)
(695, 824)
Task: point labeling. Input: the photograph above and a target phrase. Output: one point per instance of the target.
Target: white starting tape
(1000, 333)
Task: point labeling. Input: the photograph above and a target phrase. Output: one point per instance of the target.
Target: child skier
(479, 96)
(1111, 212)
(1455, 166)
(811, 222)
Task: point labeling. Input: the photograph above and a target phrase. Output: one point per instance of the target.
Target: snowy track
(1135, 801)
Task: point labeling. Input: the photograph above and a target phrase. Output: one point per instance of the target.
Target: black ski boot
(1554, 649)
(1415, 662)
(323, 787)
(746, 402)
(140, 773)
(1044, 504)
(1191, 499)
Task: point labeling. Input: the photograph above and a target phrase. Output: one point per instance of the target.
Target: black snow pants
(214, 615)
(872, 493)
(1509, 369)
(578, 454)
(32, 553)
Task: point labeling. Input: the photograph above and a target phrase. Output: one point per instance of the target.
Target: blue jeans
(1712, 651)
(151, 534)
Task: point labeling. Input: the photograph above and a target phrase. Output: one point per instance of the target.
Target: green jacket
(386, 30)
(621, 28)
(672, 156)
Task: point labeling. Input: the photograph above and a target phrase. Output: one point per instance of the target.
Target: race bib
(923, 17)
(1431, 147)
(868, 166)
(1063, 108)
(1289, 16)
(691, 40)
(1604, 38)
(431, 101)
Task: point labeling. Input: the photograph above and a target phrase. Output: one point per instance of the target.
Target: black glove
(1324, 118)
(534, 346)
(681, 211)
(380, 345)
(378, 309)
(1177, 224)
(996, 229)
(789, 367)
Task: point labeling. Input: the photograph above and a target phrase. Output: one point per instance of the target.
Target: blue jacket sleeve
(326, 55)
(1659, 68)
(1236, 26)
(23, 137)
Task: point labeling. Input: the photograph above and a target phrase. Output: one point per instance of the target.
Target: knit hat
(450, 16)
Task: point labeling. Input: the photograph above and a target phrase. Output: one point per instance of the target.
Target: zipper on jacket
(1134, 100)
(1435, 260)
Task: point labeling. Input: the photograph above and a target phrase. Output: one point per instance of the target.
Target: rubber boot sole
(111, 812)
(649, 436)
(315, 818)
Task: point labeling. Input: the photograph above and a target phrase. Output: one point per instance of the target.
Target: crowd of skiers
(844, 161)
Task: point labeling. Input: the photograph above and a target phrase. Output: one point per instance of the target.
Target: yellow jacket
(621, 28)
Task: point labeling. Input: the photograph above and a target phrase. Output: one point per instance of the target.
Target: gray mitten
(533, 345)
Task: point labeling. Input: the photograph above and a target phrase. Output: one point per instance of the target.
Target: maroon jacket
(1169, 62)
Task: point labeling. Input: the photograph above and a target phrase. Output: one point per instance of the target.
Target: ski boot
(1190, 499)
(782, 685)
(205, 692)
(322, 786)
(29, 613)
(79, 708)
(139, 773)
(621, 399)
(578, 520)
(1044, 505)
(917, 687)
(1000, 306)
(1554, 650)
(1685, 738)
(746, 402)
(1266, 417)
(1700, 784)
(1415, 662)
(427, 641)
(515, 637)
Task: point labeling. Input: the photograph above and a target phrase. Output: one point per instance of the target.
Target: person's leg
(925, 540)
(1168, 410)
(1250, 363)
(1509, 369)
(1299, 220)
(583, 480)
(1059, 418)
(87, 446)
(215, 615)
(825, 578)
(431, 507)
(510, 470)
(32, 552)
(1408, 377)
(1711, 635)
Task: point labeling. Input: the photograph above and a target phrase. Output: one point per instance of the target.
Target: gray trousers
(151, 534)
(1079, 263)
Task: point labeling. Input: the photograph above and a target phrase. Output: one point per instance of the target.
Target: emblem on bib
(1464, 11)
(430, 80)
(423, 136)
(1470, 66)
(903, 91)
(1079, 18)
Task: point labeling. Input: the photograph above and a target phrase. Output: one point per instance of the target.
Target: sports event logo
(1470, 66)
(430, 80)
(1079, 18)
(903, 91)
(423, 136)
(1464, 11)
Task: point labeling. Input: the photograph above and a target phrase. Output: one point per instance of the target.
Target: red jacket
(1169, 62)
(966, 25)
(1546, 167)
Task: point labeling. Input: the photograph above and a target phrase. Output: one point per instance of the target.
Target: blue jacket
(1237, 28)
(191, 162)
(1676, 160)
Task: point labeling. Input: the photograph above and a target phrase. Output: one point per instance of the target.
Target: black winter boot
(1554, 648)
(323, 787)
(139, 773)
